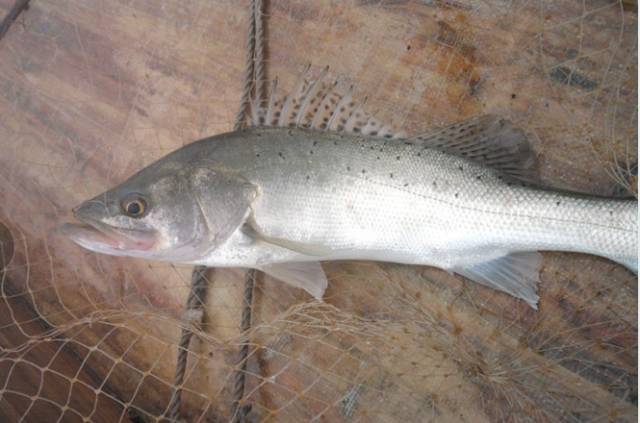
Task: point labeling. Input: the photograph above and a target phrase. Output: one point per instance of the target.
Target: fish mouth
(99, 237)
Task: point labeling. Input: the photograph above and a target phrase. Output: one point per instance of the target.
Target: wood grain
(91, 91)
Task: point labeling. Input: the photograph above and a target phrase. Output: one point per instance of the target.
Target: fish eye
(134, 206)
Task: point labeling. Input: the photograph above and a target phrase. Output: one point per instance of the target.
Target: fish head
(154, 214)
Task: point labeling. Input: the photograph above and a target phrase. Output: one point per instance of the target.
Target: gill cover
(223, 200)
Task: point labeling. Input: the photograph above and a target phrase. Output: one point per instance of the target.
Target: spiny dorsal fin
(489, 140)
(318, 104)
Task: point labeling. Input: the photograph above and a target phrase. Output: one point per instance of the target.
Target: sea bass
(317, 179)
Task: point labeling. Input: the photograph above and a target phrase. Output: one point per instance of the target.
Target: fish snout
(90, 211)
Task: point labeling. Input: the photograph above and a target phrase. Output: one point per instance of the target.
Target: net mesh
(91, 92)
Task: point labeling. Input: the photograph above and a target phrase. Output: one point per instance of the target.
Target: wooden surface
(91, 91)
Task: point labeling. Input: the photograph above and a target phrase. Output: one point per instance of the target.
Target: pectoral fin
(516, 274)
(306, 275)
(315, 251)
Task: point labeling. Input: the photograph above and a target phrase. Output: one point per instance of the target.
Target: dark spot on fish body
(308, 177)
(397, 157)
(391, 175)
(315, 143)
(349, 168)
(311, 152)
(364, 171)
(478, 177)
(513, 96)
(557, 203)
(456, 195)
(258, 155)
(460, 168)
(281, 155)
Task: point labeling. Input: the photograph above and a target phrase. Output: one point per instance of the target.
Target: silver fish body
(341, 196)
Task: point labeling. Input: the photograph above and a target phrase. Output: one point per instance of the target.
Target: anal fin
(517, 274)
(306, 275)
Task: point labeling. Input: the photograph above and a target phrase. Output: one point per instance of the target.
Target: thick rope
(239, 413)
(260, 73)
(194, 314)
(199, 282)
(248, 71)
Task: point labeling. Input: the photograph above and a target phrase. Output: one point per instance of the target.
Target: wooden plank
(91, 91)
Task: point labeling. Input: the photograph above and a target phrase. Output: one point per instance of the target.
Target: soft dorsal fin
(489, 140)
(318, 104)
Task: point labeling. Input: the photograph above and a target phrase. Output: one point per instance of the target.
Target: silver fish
(282, 199)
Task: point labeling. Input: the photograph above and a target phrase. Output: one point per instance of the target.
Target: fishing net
(93, 91)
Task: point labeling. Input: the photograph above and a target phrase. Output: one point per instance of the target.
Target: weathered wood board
(91, 91)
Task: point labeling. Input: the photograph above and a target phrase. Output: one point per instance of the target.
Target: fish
(314, 178)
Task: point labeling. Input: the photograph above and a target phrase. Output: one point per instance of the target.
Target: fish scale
(326, 181)
(354, 200)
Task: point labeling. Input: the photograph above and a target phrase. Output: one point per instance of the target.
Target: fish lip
(122, 239)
